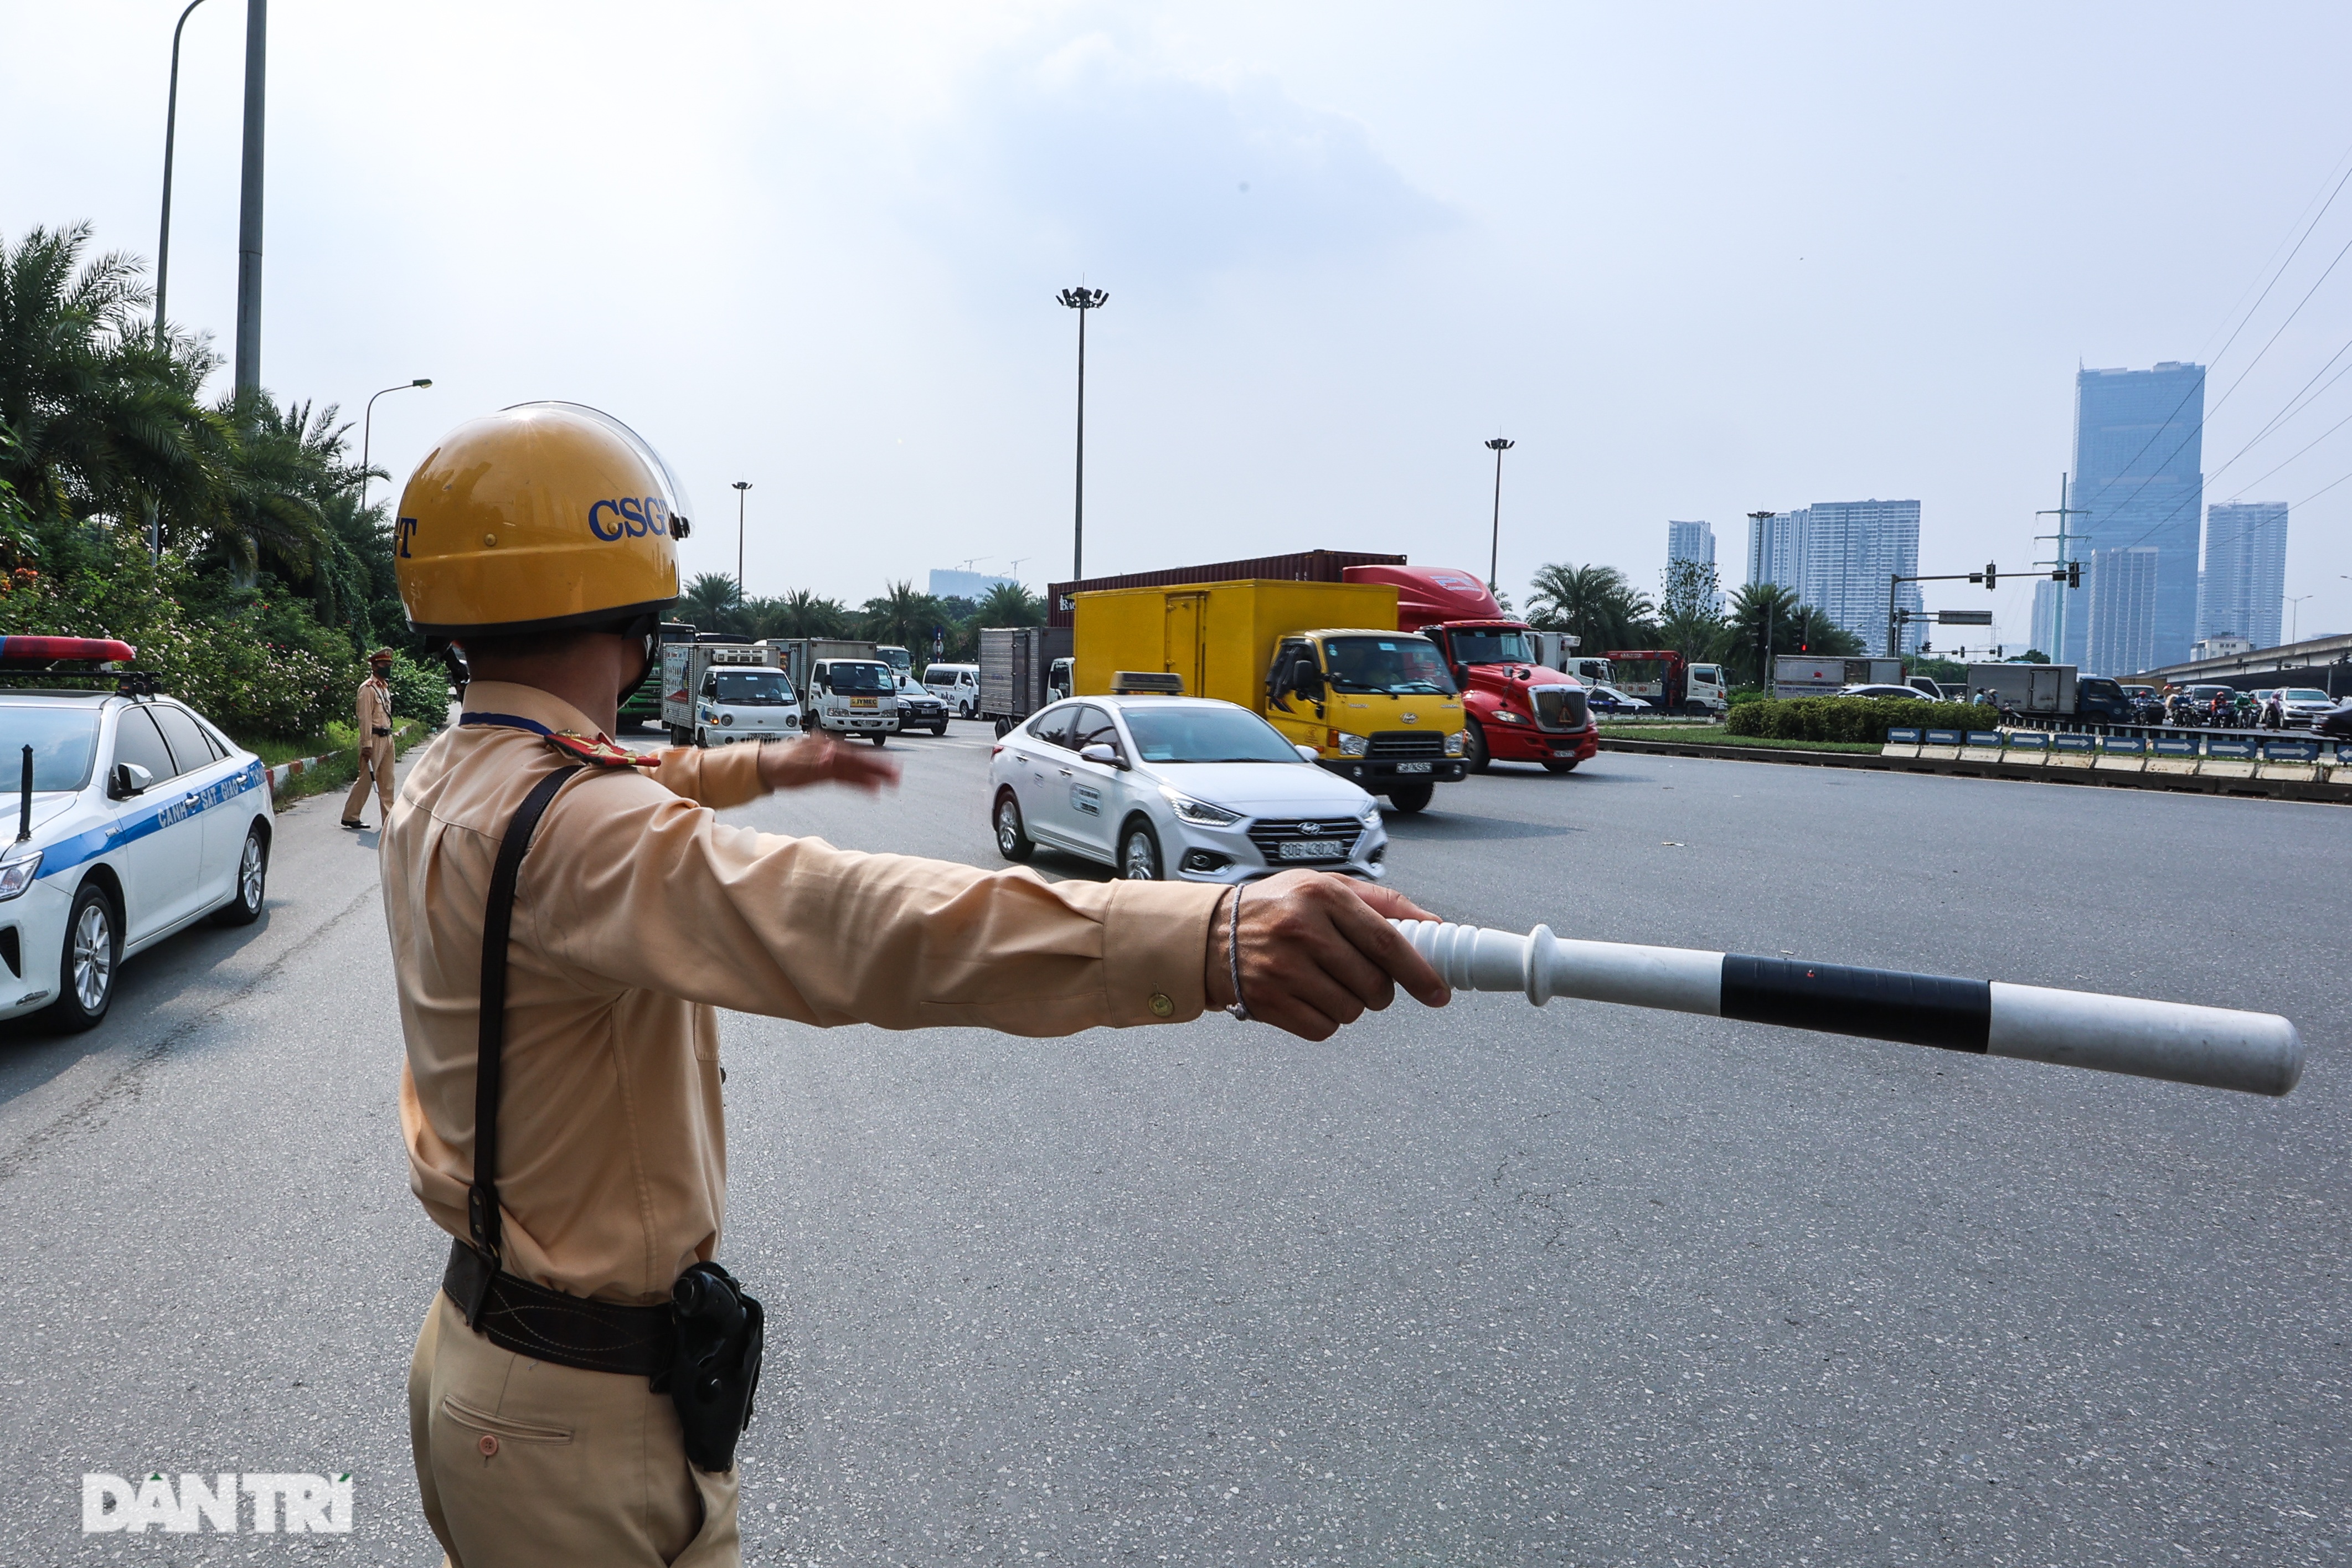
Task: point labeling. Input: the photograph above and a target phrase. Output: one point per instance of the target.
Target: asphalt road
(1583, 1285)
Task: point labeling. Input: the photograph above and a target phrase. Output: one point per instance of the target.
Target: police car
(129, 817)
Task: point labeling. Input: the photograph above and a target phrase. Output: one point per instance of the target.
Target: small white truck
(854, 697)
(721, 691)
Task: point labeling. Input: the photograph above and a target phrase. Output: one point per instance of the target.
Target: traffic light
(1991, 573)
(2074, 573)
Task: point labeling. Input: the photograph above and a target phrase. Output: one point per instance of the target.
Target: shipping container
(1303, 567)
(1810, 675)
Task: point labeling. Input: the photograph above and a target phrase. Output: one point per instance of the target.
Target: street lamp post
(1495, 549)
(171, 121)
(367, 429)
(248, 219)
(2293, 612)
(741, 486)
(1081, 299)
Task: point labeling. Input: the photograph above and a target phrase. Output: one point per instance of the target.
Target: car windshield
(2306, 694)
(63, 740)
(861, 677)
(753, 688)
(1495, 648)
(1398, 665)
(1206, 735)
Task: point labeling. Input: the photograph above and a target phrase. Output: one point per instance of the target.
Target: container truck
(1017, 666)
(642, 705)
(716, 690)
(1518, 709)
(2042, 690)
(1323, 662)
(1810, 674)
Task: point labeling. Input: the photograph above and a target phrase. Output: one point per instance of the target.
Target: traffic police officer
(374, 717)
(541, 541)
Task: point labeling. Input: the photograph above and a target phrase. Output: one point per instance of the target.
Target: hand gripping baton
(2259, 1053)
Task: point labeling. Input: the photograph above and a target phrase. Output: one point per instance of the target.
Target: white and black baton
(2258, 1053)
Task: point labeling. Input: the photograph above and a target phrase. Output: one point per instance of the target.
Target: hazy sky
(1694, 260)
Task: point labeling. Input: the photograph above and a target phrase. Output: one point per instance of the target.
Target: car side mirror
(130, 779)
(1307, 754)
(1107, 755)
(1461, 676)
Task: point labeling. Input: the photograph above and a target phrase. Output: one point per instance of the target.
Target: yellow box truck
(1322, 661)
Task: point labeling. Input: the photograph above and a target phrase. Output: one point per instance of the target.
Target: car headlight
(1454, 743)
(1198, 813)
(1371, 817)
(1507, 717)
(17, 871)
(1354, 745)
(727, 717)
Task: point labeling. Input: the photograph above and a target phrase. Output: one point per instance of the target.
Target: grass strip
(1752, 743)
(341, 754)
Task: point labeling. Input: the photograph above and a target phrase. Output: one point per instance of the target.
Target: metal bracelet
(1234, 956)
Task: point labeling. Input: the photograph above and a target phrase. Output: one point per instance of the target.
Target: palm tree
(713, 601)
(1795, 627)
(283, 471)
(904, 617)
(106, 420)
(1595, 603)
(801, 614)
(1011, 604)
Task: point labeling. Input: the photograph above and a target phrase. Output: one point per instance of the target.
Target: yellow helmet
(540, 517)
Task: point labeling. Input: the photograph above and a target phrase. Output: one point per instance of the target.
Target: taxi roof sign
(42, 652)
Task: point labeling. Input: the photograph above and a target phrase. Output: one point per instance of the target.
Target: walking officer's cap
(541, 517)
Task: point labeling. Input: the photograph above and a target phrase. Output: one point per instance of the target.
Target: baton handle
(2217, 1048)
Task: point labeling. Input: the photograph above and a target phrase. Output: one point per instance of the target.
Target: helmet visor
(681, 505)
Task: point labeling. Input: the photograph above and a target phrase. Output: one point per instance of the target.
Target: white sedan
(143, 819)
(1176, 788)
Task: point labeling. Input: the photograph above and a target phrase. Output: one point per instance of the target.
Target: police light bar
(2256, 1053)
(27, 652)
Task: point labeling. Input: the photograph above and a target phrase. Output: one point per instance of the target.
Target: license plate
(1312, 849)
(861, 702)
(1560, 752)
(1412, 767)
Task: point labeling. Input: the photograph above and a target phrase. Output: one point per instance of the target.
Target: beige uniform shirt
(638, 912)
(374, 711)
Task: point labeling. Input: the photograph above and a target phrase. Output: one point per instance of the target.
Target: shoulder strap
(482, 1198)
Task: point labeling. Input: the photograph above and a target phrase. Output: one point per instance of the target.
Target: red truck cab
(1516, 711)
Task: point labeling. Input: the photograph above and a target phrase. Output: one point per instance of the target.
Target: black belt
(380, 730)
(548, 1325)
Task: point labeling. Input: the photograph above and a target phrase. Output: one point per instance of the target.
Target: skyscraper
(2138, 476)
(1690, 542)
(1849, 549)
(2245, 571)
(2045, 616)
(1776, 549)
(2123, 587)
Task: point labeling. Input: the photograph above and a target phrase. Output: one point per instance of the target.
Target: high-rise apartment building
(1838, 555)
(2122, 590)
(2140, 479)
(1851, 548)
(1690, 542)
(2244, 582)
(1776, 549)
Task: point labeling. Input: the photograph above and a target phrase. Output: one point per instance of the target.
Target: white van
(957, 685)
(854, 697)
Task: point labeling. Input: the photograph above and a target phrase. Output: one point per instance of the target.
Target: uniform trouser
(525, 1464)
(375, 759)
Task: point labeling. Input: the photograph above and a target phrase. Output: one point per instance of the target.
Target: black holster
(721, 1332)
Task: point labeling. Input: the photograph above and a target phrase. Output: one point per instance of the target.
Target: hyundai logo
(1410, 717)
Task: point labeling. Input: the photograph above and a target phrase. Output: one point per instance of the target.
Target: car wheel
(1013, 840)
(1138, 852)
(879, 737)
(93, 951)
(1559, 767)
(1474, 748)
(1002, 726)
(941, 727)
(244, 907)
(1411, 798)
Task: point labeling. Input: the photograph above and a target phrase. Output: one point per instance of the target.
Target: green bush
(1852, 719)
(419, 691)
